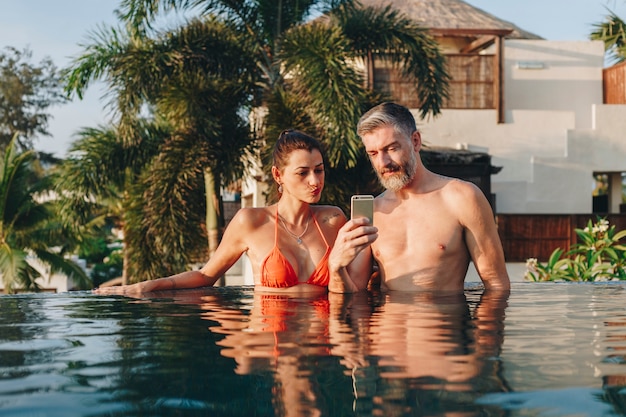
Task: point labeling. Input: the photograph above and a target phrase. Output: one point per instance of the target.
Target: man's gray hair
(387, 114)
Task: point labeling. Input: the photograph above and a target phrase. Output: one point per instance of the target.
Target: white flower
(603, 225)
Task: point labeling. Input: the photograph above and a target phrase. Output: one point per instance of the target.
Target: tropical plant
(109, 267)
(198, 92)
(30, 236)
(99, 179)
(613, 33)
(599, 256)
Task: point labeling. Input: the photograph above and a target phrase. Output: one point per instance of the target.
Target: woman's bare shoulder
(332, 215)
(251, 217)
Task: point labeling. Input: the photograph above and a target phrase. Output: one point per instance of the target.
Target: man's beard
(402, 174)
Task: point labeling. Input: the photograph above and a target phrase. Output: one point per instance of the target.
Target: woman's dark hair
(292, 140)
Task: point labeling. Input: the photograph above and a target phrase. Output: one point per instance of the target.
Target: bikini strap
(319, 229)
(276, 227)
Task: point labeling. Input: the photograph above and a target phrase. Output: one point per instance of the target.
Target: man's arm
(481, 237)
(350, 261)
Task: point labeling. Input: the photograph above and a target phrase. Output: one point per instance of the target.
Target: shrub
(599, 256)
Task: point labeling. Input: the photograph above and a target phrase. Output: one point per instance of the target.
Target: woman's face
(303, 176)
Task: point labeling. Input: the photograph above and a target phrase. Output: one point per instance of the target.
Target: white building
(556, 132)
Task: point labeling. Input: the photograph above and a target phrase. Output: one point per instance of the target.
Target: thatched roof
(451, 15)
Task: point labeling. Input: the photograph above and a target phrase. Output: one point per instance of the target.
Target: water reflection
(429, 352)
(547, 350)
(286, 337)
(394, 350)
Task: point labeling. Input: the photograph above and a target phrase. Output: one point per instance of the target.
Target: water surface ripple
(547, 349)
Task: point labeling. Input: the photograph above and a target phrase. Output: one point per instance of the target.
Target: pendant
(299, 241)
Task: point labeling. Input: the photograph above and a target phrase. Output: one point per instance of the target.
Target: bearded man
(428, 227)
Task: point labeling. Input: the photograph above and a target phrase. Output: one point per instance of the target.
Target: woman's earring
(280, 188)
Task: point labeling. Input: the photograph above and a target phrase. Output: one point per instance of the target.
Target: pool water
(547, 349)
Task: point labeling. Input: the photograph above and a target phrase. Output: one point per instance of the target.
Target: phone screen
(362, 206)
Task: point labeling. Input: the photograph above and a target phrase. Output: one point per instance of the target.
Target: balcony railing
(472, 83)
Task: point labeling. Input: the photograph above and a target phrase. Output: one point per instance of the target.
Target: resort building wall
(556, 134)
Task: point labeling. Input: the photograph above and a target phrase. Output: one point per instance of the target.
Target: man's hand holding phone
(350, 261)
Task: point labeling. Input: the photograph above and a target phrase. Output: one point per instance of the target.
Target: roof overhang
(482, 38)
(461, 32)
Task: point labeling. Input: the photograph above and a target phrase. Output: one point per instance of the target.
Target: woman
(288, 243)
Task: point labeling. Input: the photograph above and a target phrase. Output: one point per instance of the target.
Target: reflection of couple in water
(388, 347)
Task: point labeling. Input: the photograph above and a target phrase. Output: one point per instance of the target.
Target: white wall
(556, 131)
(570, 79)
(51, 283)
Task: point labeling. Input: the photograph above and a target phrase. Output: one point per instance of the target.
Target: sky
(57, 28)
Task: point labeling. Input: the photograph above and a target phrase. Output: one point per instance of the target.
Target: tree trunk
(214, 211)
(125, 261)
(214, 214)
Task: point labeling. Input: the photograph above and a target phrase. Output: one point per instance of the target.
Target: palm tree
(94, 182)
(29, 232)
(198, 93)
(315, 60)
(613, 33)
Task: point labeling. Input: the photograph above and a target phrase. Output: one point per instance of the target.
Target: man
(427, 227)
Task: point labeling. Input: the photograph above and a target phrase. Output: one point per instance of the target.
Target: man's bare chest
(412, 234)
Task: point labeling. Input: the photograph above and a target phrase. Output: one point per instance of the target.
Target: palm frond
(102, 48)
(16, 272)
(330, 89)
(59, 264)
(613, 33)
(384, 33)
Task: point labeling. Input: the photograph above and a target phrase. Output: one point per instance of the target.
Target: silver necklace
(295, 236)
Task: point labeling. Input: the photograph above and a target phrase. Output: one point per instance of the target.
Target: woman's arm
(231, 247)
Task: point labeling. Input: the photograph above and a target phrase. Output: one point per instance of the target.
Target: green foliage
(599, 256)
(613, 33)
(110, 267)
(30, 234)
(26, 92)
(103, 253)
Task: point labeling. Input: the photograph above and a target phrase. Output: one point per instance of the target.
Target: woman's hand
(132, 290)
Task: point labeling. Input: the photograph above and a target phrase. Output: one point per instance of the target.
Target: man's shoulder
(459, 188)
(464, 195)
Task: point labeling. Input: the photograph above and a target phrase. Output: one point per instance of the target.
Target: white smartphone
(362, 206)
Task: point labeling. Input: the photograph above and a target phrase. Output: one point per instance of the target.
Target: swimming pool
(548, 349)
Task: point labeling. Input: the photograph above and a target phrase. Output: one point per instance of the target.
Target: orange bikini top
(277, 272)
